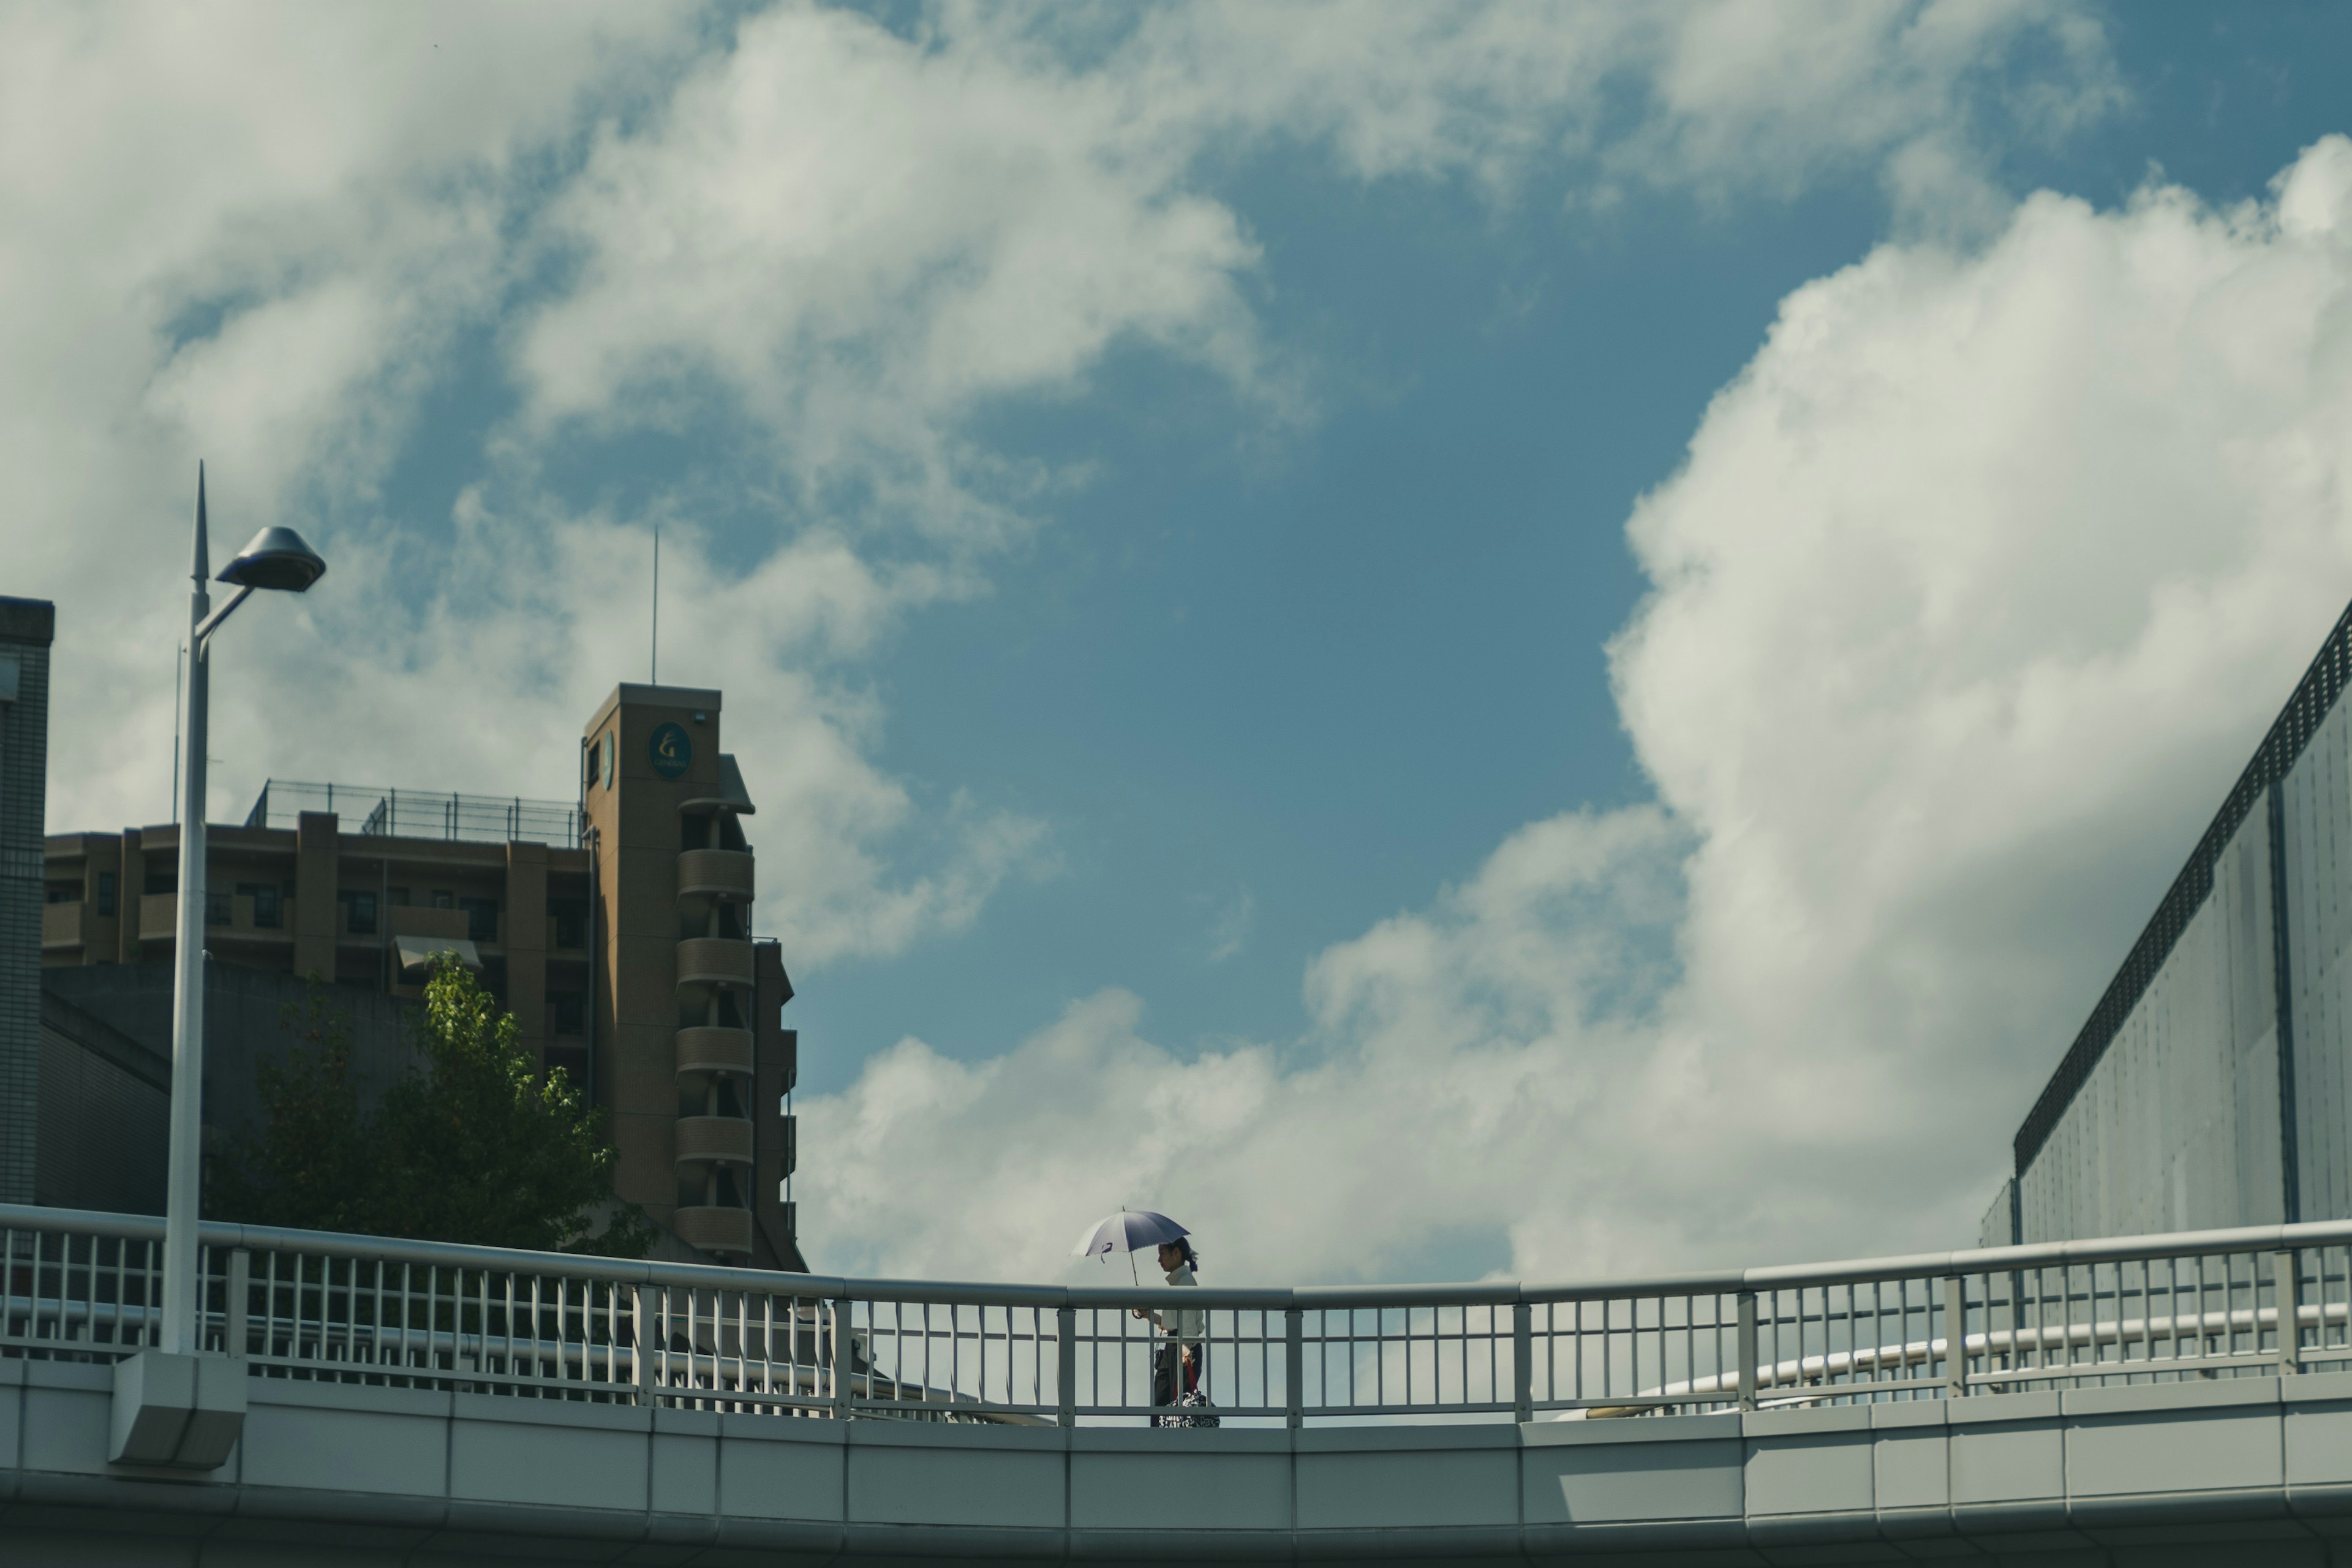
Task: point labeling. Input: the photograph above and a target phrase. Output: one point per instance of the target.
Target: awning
(732, 797)
(415, 952)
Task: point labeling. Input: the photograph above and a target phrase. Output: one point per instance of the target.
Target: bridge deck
(2256, 1468)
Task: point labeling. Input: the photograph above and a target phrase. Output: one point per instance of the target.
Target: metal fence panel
(347, 1309)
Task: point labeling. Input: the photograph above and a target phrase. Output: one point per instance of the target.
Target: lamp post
(277, 558)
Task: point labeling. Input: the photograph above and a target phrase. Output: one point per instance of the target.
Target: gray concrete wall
(106, 1115)
(2257, 1470)
(2316, 795)
(243, 1024)
(106, 1067)
(2177, 1127)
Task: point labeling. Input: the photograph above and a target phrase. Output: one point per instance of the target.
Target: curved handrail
(1486, 1292)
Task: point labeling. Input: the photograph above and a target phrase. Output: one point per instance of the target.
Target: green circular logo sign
(670, 750)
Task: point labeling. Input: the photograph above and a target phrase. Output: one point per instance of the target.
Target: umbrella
(1125, 1232)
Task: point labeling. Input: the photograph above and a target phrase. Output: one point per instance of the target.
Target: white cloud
(268, 234)
(1463, 1050)
(1718, 95)
(1230, 931)
(854, 238)
(1978, 586)
(241, 232)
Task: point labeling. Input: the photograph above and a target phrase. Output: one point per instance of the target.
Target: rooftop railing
(303, 1304)
(421, 813)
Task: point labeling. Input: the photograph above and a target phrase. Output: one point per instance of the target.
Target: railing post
(1066, 1377)
(1955, 1337)
(240, 1286)
(1747, 1349)
(1294, 1368)
(1523, 1363)
(643, 1353)
(2286, 1298)
(841, 1362)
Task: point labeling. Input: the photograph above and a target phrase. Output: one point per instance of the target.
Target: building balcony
(714, 961)
(159, 916)
(240, 914)
(226, 914)
(61, 924)
(719, 873)
(713, 1141)
(415, 920)
(713, 1049)
(714, 1229)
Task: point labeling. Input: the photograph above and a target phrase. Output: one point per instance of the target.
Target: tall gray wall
(2317, 801)
(26, 628)
(106, 1084)
(2177, 1127)
(106, 1115)
(2176, 1109)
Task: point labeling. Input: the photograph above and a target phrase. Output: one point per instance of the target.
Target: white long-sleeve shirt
(1182, 1324)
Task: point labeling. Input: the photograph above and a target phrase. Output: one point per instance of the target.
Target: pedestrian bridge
(2178, 1399)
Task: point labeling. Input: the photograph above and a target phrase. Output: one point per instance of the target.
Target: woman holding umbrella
(1176, 1362)
(1176, 1365)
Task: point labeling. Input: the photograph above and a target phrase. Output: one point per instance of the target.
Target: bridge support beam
(182, 1412)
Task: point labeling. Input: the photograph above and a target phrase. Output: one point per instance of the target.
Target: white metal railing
(306, 1304)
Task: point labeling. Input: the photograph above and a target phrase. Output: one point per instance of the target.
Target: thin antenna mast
(654, 678)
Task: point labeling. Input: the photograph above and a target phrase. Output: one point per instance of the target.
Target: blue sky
(1320, 676)
(1509, 623)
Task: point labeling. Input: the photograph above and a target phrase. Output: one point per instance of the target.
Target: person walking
(1176, 1362)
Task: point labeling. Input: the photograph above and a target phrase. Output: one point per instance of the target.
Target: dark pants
(1171, 1378)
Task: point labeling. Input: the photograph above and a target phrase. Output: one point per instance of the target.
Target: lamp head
(277, 558)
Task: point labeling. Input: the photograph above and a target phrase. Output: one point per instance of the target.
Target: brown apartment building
(618, 930)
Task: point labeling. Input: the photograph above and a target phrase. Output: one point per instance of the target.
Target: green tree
(478, 1149)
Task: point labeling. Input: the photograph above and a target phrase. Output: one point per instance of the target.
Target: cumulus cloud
(1976, 588)
(273, 236)
(242, 232)
(852, 237)
(1463, 1044)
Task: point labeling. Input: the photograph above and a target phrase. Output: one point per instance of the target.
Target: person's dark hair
(1183, 1244)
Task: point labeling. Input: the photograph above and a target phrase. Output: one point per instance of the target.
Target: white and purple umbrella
(1128, 1230)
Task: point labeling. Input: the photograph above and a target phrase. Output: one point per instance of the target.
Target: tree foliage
(479, 1148)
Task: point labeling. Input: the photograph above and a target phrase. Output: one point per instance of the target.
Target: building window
(442, 899)
(359, 912)
(65, 892)
(167, 881)
(567, 1012)
(106, 892)
(264, 903)
(570, 921)
(218, 909)
(481, 917)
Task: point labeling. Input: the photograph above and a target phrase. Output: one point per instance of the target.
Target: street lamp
(278, 558)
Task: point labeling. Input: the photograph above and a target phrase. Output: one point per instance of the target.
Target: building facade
(2212, 1084)
(572, 913)
(686, 994)
(26, 628)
